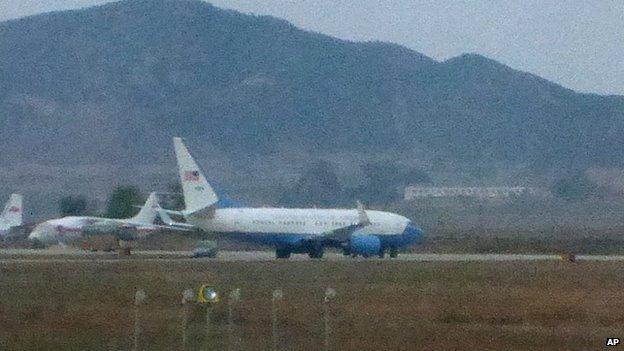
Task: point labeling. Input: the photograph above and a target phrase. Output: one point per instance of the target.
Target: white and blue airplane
(292, 230)
(11, 216)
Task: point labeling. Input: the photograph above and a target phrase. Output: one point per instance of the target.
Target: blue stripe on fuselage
(411, 235)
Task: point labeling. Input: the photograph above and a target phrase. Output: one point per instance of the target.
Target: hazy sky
(577, 43)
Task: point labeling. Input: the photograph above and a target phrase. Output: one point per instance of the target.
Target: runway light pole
(330, 294)
(278, 295)
(208, 296)
(188, 296)
(233, 299)
(139, 299)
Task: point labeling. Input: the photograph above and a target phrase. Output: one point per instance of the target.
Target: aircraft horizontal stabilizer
(175, 227)
(206, 212)
(171, 212)
(170, 222)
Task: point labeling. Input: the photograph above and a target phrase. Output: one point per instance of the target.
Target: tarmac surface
(8, 256)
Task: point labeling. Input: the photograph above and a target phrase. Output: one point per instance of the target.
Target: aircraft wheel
(316, 252)
(382, 253)
(282, 253)
(394, 253)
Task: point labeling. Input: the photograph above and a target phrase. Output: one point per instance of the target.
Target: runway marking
(12, 256)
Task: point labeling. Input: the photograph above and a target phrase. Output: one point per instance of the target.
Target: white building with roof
(491, 192)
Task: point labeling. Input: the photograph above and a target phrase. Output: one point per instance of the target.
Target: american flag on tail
(191, 176)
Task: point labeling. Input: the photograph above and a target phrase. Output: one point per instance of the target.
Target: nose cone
(36, 234)
(413, 233)
(40, 233)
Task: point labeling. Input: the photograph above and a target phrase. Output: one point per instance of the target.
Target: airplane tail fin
(198, 194)
(12, 213)
(149, 211)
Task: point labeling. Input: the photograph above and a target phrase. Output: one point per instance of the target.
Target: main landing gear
(282, 253)
(394, 252)
(316, 251)
(125, 248)
(382, 253)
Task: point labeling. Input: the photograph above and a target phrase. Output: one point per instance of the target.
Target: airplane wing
(344, 233)
(170, 227)
(204, 212)
(173, 212)
(173, 224)
(177, 213)
(152, 209)
(126, 230)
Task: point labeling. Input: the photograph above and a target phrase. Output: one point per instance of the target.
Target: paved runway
(11, 256)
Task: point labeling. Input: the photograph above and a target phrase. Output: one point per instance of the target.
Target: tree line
(122, 203)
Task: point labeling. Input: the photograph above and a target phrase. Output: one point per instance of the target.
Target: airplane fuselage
(291, 228)
(69, 229)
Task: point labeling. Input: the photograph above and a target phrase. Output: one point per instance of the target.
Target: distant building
(500, 192)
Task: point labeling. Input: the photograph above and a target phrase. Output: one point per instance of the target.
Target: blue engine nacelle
(365, 245)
